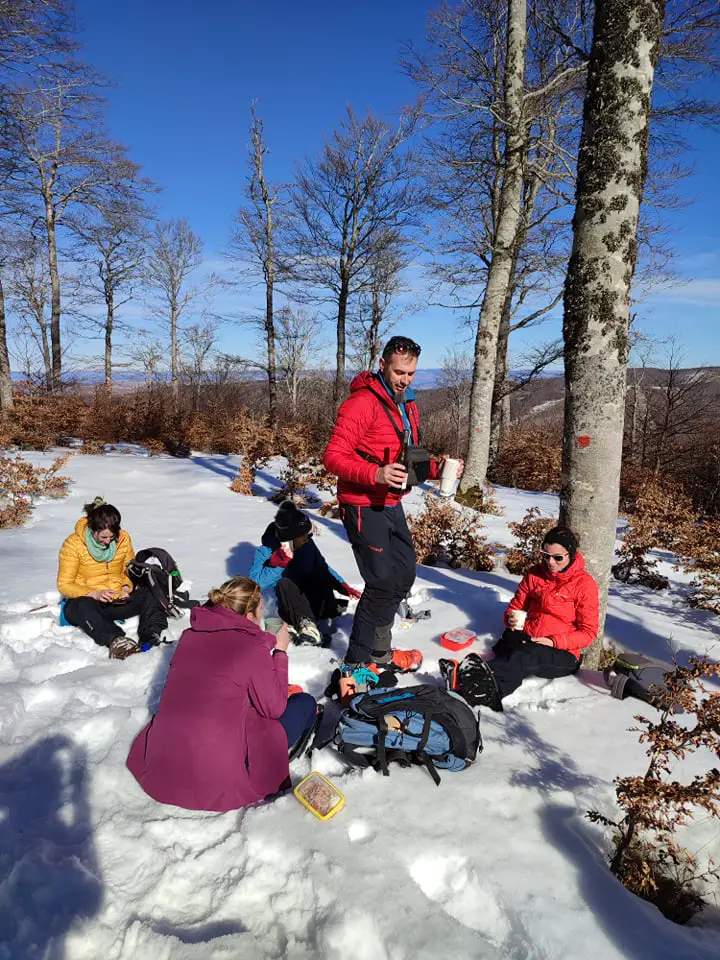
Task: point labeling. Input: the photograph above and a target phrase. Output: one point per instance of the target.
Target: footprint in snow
(451, 882)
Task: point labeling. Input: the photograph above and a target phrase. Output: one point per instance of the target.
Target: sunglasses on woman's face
(557, 557)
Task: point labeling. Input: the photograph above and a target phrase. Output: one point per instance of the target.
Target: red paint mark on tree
(583, 441)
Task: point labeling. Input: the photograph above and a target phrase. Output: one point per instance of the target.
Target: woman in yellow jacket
(92, 576)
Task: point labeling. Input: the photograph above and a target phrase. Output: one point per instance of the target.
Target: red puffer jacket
(362, 425)
(562, 606)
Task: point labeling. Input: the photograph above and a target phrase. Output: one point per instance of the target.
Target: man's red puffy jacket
(363, 427)
(562, 606)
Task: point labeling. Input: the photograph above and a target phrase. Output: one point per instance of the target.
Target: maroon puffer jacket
(363, 427)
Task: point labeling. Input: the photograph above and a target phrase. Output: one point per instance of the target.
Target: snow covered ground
(497, 862)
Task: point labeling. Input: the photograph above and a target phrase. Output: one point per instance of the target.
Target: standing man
(364, 453)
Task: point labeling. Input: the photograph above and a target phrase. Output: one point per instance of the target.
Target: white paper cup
(518, 619)
(449, 477)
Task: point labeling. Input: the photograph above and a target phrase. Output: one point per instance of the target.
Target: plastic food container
(457, 639)
(319, 795)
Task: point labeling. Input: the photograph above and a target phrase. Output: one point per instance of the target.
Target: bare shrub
(480, 499)
(442, 532)
(529, 536)
(647, 858)
(21, 483)
(663, 518)
(530, 457)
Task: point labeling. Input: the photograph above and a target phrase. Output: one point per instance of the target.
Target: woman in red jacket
(550, 620)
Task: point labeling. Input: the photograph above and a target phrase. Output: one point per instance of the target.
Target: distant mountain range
(424, 379)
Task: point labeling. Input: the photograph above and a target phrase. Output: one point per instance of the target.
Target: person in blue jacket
(302, 581)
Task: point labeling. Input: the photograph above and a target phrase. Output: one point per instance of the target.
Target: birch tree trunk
(174, 378)
(56, 345)
(340, 385)
(501, 266)
(109, 323)
(6, 397)
(612, 168)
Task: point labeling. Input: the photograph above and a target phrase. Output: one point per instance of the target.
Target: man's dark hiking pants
(385, 557)
(517, 657)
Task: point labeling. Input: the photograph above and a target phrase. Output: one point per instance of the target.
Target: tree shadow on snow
(554, 770)
(481, 605)
(47, 855)
(222, 466)
(636, 928)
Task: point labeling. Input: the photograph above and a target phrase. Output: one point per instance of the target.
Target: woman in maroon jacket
(550, 620)
(222, 732)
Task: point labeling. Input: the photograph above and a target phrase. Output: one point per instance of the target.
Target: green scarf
(97, 550)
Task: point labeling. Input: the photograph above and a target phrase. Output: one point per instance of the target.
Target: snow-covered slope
(497, 862)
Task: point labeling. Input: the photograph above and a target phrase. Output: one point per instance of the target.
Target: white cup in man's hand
(517, 619)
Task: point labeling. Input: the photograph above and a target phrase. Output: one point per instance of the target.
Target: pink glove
(278, 558)
(350, 591)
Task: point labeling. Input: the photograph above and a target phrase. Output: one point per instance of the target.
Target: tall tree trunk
(500, 413)
(500, 272)
(174, 380)
(340, 385)
(56, 380)
(270, 317)
(6, 396)
(271, 360)
(109, 322)
(612, 167)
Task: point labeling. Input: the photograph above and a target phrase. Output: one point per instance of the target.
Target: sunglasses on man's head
(402, 345)
(557, 557)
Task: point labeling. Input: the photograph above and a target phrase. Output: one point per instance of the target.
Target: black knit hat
(565, 537)
(291, 522)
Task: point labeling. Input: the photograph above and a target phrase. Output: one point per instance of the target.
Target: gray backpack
(635, 675)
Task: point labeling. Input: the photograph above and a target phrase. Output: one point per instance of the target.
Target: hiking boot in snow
(399, 661)
(122, 647)
(308, 632)
(476, 683)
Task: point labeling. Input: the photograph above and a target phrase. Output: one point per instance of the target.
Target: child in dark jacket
(289, 563)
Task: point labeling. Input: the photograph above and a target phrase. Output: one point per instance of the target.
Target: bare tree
(113, 233)
(362, 185)
(612, 168)
(507, 95)
(58, 157)
(375, 315)
(253, 245)
(174, 254)
(29, 289)
(456, 380)
(6, 392)
(298, 348)
(199, 340)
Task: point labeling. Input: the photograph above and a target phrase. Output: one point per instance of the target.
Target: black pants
(517, 657)
(97, 619)
(307, 596)
(385, 556)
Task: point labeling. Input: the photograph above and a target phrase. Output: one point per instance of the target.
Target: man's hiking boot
(476, 683)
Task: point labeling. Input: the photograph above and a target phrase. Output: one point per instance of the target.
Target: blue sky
(185, 73)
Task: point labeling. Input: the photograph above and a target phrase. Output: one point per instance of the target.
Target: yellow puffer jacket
(79, 573)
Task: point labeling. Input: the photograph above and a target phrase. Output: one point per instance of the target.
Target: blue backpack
(419, 724)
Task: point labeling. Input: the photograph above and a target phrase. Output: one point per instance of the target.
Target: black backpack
(154, 569)
(635, 675)
(419, 724)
